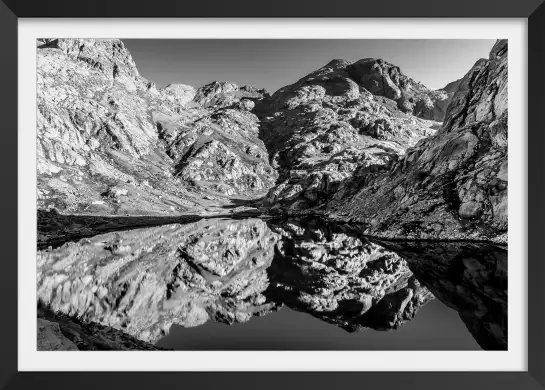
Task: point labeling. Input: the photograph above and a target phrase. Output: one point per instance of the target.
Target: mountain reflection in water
(435, 328)
(145, 280)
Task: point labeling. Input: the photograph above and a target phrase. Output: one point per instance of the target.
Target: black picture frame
(533, 10)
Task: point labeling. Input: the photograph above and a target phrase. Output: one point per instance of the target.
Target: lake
(281, 284)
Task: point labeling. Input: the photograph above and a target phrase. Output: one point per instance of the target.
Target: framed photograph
(304, 194)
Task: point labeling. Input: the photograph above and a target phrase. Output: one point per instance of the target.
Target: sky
(274, 63)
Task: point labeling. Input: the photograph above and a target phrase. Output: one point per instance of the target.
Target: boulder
(50, 337)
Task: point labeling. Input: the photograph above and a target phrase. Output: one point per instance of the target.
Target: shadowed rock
(340, 119)
(339, 276)
(471, 278)
(452, 185)
(61, 332)
(50, 337)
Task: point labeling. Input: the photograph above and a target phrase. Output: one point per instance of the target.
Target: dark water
(435, 328)
(447, 269)
(299, 284)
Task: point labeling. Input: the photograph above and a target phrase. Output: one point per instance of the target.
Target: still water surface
(266, 284)
(436, 327)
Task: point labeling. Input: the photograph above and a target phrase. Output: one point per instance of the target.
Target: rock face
(142, 281)
(221, 93)
(338, 276)
(110, 142)
(178, 95)
(339, 119)
(451, 88)
(384, 79)
(216, 143)
(50, 337)
(452, 184)
(61, 332)
(434, 104)
(470, 278)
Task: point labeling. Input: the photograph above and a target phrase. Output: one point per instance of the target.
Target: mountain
(337, 120)
(127, 170)
(110, 142)
(452, 185)
(452, 87)
(356, 141)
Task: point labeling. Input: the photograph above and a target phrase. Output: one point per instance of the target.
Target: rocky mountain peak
(453, 184)
(110, 142)
(225, 94)
(251, 92)
(482, 94)
(451, 87)
(109, 56)
(340, 117)
(499, 49)
(336, 63)
(214, 88)
(179, 93)
(378, 77)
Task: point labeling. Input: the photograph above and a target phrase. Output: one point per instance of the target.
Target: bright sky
(272, 64)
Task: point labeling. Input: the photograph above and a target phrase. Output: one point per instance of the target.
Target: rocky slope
(452, 184)
(215, 144)
(341, 119)
(50, 337)
(355, 141)
(61, 332)
(110, 142)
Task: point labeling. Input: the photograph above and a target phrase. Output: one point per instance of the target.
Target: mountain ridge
(453, 184)
(111, 143)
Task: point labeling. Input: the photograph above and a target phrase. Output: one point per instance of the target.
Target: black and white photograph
(272, 194)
